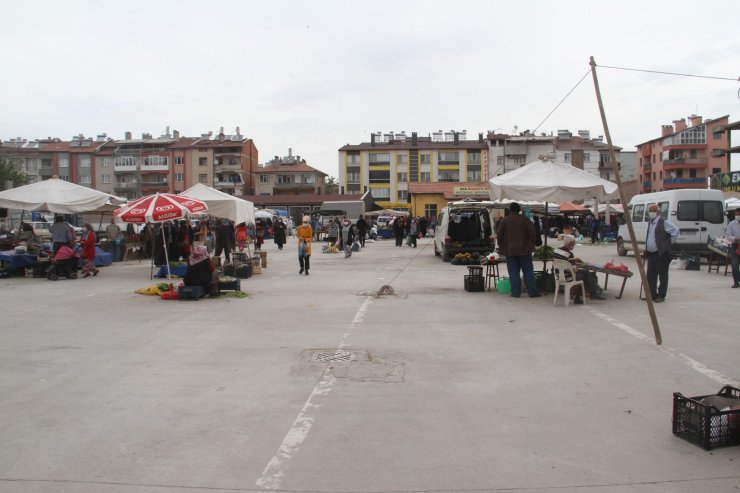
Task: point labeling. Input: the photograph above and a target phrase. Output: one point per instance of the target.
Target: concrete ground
(104, 390)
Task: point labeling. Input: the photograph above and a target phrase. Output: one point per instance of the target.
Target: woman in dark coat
(279, 233)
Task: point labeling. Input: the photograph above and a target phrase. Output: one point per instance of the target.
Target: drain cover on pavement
(334, 356)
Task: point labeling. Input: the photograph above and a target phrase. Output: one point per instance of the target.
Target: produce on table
(616, 267)
(544, 253)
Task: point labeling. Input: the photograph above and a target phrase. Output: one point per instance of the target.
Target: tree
(8, 172)
(331, 185)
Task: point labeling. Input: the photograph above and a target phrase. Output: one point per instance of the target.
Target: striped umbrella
(158, 208)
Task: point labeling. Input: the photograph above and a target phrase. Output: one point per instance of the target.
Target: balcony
(299, 186)
(154, 167)
(45, 172)
(673, 183)
(153, 183)
(647, 184)
(680, 163)
(719, 152)
(220, 168)
(124, 168)
(124, 185)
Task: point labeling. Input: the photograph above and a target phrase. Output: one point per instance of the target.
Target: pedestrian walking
(304, 233)
(348, 236)
(361, 230)
(223, 240)
(660, 237)
(732, 231)
(241, 236)
(279, 233)
(515, 235)
(399, 230)
(259, 234)
(413, 230)
(88, 251)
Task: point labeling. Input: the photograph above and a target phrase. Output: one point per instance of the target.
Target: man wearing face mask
(733, 232)
(661, 235)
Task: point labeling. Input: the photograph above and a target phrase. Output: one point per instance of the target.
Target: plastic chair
(563, 270)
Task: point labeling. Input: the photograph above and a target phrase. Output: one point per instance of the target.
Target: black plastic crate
(239, 258)
(700, 420)
(230, 285)
(474, 283)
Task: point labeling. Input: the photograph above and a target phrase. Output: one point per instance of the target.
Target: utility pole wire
(671, 73)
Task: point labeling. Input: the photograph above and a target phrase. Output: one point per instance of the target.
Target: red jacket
(88, 245)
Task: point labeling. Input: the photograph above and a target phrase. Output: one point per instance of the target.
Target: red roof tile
(288, 168)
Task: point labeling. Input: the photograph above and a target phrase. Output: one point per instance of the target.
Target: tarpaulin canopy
(221, 204)
(56, 195)
(548, 180)
(571, 208)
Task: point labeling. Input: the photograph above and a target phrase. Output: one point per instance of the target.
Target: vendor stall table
(717, 257)
(17, 261)
(607, 272)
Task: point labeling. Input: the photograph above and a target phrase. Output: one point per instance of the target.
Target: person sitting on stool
(590, 281)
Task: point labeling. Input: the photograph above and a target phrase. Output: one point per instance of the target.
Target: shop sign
(730, 182)
(470, 191)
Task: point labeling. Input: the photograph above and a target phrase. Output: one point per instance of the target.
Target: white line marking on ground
(274, 471)
(691, 362)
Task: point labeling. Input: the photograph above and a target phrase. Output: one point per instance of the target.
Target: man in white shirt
(661, 235)
(732, 231)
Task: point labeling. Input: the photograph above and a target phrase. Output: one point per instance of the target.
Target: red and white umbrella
(158, 208)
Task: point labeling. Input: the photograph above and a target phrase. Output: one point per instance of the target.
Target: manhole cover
(335, 356)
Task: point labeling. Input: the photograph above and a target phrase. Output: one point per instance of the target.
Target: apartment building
(387, 164)
(289, 175)
(685, 155)
(24, 156)
(72, 160)
(508, 152)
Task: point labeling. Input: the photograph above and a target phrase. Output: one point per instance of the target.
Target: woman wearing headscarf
(348, 237)
(304, 233)
(88, 251)
(201, 272)
(279, 233)
(241, 236)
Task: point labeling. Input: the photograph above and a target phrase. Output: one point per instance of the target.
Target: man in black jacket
(515, 235)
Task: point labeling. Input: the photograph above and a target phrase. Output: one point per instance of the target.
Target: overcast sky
(315, 75)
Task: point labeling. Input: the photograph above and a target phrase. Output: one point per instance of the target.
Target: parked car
(38, 229)
(697, 214)
(465, 227)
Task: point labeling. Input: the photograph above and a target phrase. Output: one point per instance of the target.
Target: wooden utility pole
(627, 216)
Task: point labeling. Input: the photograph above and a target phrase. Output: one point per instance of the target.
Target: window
(449, 157)
(430, 210)
(403, 195)
(203, 179)
(473, 175)
(566, 158)
(381, 193)
(380, 176)
(638, 213)
(353, 188)
(403, 177)
(64, 160)
(264, 178)
(105, 179)
(106, 161)
(500, 160)
(84, 161)
(202, 161)
(692, 172)
(125, 161)
(663, 209)
(380, 158)
(353, 177)
(473, 157)
(717, 135)
(520, 160)
(425, 158)
(448, 176)
(85, 180)
(285, 179)
(178, 177)
(700, 210)
(307, 179)
(402, 158)
(425, 176)
(353, 158)
(30, 166)
(586, 157)
(178, 159)
(716, 171)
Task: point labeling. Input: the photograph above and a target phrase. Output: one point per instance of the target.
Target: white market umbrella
(56, 195)
(263, 214)
(548, 180)
(221, 204)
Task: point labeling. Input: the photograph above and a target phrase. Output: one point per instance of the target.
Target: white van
(465, 227)
(697, 214)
